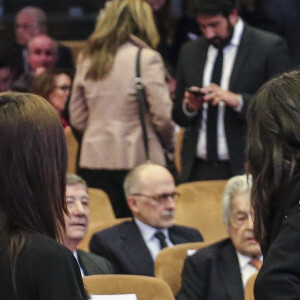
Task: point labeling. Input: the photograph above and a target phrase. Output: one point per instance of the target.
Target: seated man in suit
(221, 270)
(41, 56)
(77, 225)
(31, 21)
(133, 246)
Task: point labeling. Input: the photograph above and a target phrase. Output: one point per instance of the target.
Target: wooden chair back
(169, 263)
(145, 287)
(200, 206)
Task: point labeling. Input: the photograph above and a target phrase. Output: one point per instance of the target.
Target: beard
(221, 42)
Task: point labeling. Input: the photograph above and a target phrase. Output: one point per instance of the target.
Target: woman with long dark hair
(33, 265)
(273, 153)
(104, 102)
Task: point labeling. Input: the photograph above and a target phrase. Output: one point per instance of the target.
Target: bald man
(133, 246)
(41, 56)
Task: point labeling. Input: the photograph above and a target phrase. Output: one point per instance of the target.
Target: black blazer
(213, 273)
(123, 245)
(260, 56)
(93, 264)
(279, 277)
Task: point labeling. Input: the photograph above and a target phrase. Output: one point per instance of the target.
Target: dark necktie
(212, 112)
(162, 239)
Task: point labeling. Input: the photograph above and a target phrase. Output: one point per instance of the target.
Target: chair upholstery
(169, 263)
(248, 290)
(145, 287)
(178, 145)
(199, 205)
(72, 148)
(96, 227)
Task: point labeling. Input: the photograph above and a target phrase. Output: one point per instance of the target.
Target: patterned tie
(212, 112)
(256, 263)
(162, 239)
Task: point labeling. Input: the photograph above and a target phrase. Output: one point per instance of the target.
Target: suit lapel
(230, 273)
(136, 250)
(241, 57)
(175, 238)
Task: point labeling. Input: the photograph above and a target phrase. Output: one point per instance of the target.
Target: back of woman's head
(115, 24)
(273, 144)
(274, 122)
(33, 166)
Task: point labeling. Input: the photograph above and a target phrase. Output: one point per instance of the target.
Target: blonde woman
(104, 105)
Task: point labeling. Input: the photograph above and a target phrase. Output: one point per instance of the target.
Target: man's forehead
(77, 187)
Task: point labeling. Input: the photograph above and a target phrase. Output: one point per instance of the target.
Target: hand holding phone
(196, 93)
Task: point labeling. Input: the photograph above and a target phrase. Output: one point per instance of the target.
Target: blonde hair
(115, 24)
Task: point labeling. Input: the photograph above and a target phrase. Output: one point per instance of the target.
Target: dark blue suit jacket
(213, 273)
(124, 247)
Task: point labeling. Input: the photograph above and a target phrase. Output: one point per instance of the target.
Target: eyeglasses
(160, 198)
(65, 88)
(239, 219)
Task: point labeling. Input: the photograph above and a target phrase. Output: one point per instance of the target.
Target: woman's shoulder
(43, 247)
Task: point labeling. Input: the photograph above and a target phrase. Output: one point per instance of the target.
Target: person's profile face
(6, 79)
(59, 96)
(41, 54)
(240, 228)
(151, 208)
(217, 29)
(77, 222)
(26, 28)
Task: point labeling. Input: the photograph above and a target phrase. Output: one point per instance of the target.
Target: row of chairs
(166, 283)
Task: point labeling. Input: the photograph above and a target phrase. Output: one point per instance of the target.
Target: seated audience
(77, 223)
(221, 270)
(54, 86)
(41, 56)
(32, 21)
(33, 159)
(132, 246)
(6, 74)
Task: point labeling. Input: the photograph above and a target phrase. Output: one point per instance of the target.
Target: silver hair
(39, 15)
(73, 179)
(235, 185)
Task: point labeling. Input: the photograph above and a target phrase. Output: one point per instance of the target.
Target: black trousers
(204, 170)
(110, 181)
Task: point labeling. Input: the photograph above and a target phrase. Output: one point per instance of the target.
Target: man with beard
(221, 270)
(226, 67)
(132, 246)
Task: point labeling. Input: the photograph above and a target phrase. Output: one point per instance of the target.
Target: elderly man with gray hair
(221, 270)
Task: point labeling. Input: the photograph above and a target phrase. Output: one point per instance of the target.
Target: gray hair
(38, 13)
(73, 179)
(235, 185)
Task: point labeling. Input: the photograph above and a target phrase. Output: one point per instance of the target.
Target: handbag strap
(142, 100)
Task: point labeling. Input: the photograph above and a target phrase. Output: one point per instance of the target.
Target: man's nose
(78, 207)
(209, 33)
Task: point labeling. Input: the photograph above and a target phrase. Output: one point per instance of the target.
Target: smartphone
(195, 92)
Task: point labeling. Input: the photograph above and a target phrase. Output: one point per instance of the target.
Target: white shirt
(81, 270)
(150, 240)
(229, 54)
(247, 270)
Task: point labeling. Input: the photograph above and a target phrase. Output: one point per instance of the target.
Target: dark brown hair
(33, 171)
(273, 146)
(44, 83)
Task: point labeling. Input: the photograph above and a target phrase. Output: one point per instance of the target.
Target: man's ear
(132, 203)
(233, 16)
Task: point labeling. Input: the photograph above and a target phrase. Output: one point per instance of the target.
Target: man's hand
(193, 103)
(215, 94)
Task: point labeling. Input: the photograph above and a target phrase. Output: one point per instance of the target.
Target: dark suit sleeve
(193, 280)
(279, 277)
(99, 246)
